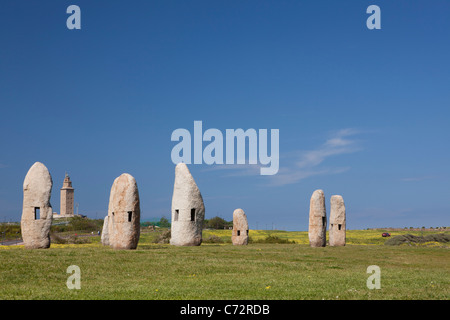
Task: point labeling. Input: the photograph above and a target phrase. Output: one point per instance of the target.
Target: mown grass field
(223, 271)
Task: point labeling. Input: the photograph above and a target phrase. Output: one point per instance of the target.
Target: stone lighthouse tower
(67, 198)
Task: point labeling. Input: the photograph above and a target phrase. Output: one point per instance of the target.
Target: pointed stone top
(318, 193)
(337, 213)
(38, 175)
(126, 176)
(124, 193)
(337, 197)
(240, 218)
(181, 167)
(183, 175)
(186, 193)
(124, 181)
(38, 166)
(317, 204)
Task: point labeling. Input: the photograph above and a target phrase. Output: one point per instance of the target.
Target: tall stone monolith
(239, 235)
(124, 213)
(37, 213)
(317, 220)
(188, 210)
(337, 229)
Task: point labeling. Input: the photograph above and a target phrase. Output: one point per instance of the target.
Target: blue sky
(361, 113)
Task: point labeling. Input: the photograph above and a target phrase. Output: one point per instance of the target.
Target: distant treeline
(75, 224)
(213, 223)
(217, 223)
(162, 223)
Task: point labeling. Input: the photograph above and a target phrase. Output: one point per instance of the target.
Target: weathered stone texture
(337, 227)
(240, 228)
(124, 213)
(105, 232)
(317, 220)
(37, 213)
(188, 210)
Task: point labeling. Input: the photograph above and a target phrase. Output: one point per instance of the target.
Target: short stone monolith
(124, 213)
(37, 213)
(337, 228)
(105, 232)
(317, 220)
(239, 235)
(188, 210)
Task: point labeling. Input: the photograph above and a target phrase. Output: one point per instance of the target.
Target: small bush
(440, 237)
(163, 237)
(213, 239)
(9, 231)
(57, 239)
(272, 239)
(411, 239)
(79, 224)
(72, 239)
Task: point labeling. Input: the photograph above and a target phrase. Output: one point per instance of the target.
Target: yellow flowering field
(353, 237)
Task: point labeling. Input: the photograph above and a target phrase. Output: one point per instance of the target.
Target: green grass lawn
(224, 271)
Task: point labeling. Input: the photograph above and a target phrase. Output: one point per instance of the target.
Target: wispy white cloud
(340, 143)
(309, 163)
(3, 166)
(299, 165)
(292, 175)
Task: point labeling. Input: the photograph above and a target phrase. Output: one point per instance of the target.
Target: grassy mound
(412, 239)
(77, 224)
(163, 237)
(272, 239)
(213, 239)
(70, 239)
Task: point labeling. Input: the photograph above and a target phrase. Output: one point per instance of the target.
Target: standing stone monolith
(239, 235)
(124, 213)
(188, 210)
(337, 221)
(317, 220)
(105, 232)
(37, 213)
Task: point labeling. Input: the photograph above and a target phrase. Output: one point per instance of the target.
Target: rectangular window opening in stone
(177, 213)
(239, 232)
(130, 214)
(192, 214)
(37, 213)
(339, 226)
(247, 231)
(324, 220)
